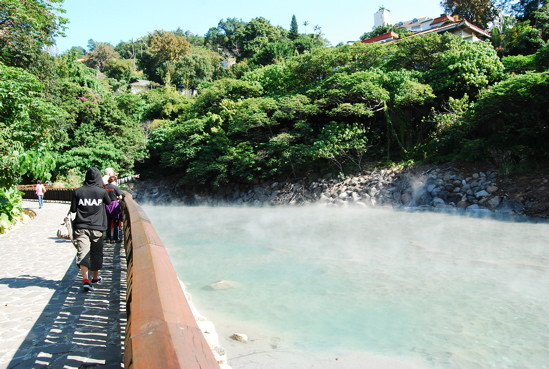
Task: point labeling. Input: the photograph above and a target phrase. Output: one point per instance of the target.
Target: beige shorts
(89, 245)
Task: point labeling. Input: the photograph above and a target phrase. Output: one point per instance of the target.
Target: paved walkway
(46, 321)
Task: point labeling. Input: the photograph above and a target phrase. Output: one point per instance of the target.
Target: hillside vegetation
(251, 102)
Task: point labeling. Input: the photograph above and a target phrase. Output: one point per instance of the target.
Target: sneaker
(98, 280)
(87, 286)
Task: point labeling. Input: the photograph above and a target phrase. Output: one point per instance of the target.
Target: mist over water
(451, 291)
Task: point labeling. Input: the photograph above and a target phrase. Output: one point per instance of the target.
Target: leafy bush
(10, 207)
(512, 115)
(519, 63)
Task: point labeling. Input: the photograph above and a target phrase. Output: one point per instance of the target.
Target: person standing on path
(109, 172)
(40, 191)
(114, 211)
(88, 202)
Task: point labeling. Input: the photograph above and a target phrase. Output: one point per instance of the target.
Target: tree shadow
(24, 281)
(61, 240)
(78, 329)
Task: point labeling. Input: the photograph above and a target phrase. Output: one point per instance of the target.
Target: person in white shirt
(110, 172)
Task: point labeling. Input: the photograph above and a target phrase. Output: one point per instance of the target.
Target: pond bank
(450, 188)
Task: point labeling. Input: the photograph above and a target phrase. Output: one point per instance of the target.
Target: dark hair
(112, 179)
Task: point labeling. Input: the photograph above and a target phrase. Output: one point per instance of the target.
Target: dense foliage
(330, 109)
(250, 101)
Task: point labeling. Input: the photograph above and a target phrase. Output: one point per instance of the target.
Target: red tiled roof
(478, 29)
(384, 36)
(442, 18)
(446, 27)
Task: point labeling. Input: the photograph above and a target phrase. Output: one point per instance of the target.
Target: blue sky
(122, 20)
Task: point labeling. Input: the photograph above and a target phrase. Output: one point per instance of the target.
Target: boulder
(221, 285)
(240, 337)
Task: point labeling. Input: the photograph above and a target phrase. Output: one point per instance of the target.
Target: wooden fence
(161, 331)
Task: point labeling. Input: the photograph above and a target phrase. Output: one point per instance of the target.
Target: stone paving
(46, 320)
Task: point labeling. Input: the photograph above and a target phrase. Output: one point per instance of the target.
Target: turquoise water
(455, 292)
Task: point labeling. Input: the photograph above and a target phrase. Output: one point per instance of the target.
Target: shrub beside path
(46, 320)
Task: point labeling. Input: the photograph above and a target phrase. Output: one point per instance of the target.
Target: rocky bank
(471, 190)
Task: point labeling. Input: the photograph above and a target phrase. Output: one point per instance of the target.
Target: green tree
(274, 52)
(225, 37)
(26, 26)
(511, 37)
(168, 47)
(541, 21)
(79, 51)
(164, 50)
(194, 40)
(69, 70)
(102, 133)
(518, 64)
(91, 45)
(465, 68)
(447, 133)
(342, 143)
(100, 56)
(451, 65)
(200, 66)
(164, 104)
(275, 79)
(306, 43)
(511, 118)
(121, 69)
(258, 34)
(527, 40)
(541, 58)
(418, 53)
(132, 49)
(294, 29)
(27, 127)
(503, 34)
(478, 12)
(526, 9)
(212, 96)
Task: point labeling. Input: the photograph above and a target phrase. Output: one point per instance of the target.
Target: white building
(425, 25)
(382, 17)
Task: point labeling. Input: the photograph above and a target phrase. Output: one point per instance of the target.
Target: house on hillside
(140, 85)
(444, 23)
(416, 24)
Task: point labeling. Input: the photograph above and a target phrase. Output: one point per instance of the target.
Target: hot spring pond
(447, 291)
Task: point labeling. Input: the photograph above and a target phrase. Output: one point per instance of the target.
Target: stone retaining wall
(436, 188)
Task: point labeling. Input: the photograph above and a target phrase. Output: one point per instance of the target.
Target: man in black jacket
(88, 203)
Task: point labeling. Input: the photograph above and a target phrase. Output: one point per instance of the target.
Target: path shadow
(24, 281)
(61, 240)
(77, 329)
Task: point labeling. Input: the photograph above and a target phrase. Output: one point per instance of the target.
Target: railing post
(161, 330)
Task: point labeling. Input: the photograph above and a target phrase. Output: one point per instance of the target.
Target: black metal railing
(52, 194)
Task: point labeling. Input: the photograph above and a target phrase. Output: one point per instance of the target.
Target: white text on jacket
(90, 202)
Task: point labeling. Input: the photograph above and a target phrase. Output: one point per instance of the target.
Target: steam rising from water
(455, 292)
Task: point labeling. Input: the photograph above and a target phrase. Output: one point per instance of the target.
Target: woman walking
(40, 191)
